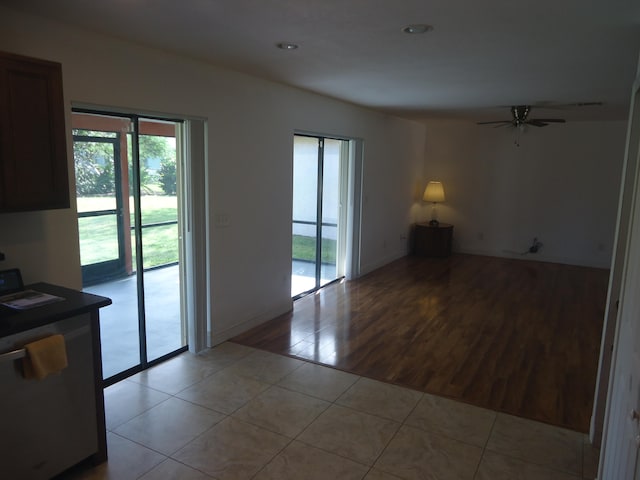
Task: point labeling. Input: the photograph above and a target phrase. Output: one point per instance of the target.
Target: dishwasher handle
(22, 352)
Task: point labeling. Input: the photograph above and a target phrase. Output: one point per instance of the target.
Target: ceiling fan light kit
(520, 117)
(417, 28)
(520, 114)
(287, 46)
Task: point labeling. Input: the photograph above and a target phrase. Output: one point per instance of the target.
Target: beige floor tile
(170, 425)
(176, 374)
(351, 434)
(265, 366)
(224, 391)
(125, 400)
(215, 359)
(440, 438)
(127, 461)
(232, 450)
(537, 443)
(414, 454)
(282, 411)
(499, 467)
(170, 469)
(456, 420)
(318, 381)
(302, 462)
(382, 399)
(227, 352)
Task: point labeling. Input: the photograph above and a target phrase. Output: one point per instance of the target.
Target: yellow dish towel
(44, 357)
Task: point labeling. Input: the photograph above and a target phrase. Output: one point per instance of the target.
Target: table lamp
(434, 193)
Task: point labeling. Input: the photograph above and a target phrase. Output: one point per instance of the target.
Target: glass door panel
(145, 321)
(165, 331)
(330, 210)
(104, 221)
(305, 214)
(317, 170)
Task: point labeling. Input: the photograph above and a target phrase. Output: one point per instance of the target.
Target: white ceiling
(480, 55)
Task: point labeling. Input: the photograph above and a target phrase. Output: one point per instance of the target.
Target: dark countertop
(74, 303)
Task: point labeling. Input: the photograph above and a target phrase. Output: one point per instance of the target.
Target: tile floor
(239, 413)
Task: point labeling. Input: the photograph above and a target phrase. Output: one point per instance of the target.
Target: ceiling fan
(520, 117)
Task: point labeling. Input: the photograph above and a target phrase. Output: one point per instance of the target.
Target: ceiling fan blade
(550, 120)
(564, 106)
(579, 104)
(497, 121)
(536, 123)
(586, 104)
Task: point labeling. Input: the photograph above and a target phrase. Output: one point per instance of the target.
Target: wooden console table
(433, 241)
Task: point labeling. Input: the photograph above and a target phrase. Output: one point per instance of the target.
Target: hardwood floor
(515, 336)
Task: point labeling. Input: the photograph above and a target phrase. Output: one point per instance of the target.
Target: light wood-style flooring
(515, 336)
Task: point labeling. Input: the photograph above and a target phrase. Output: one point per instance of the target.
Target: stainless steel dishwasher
(47, 425)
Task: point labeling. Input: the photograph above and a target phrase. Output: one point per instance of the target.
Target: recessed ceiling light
(286, 46)
(417, 28)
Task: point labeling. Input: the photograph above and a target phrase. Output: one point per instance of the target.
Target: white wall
(560, 185)
(250, 138)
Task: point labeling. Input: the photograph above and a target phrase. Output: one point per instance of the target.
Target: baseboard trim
(220, 336)
(370, 267)
(535, 257)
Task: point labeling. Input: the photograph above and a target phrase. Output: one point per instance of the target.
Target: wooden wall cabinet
(33, 149)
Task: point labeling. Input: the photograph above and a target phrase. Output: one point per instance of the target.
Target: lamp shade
(434, 192)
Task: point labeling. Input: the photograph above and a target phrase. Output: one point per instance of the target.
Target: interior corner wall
(250, 148)
(561, 186)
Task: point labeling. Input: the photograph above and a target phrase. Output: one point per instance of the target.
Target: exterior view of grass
(159, 245)
(304, 248)
(157, 208)
(156, 214)
(99, 238)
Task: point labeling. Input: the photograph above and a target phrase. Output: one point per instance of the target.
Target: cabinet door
(33, 153)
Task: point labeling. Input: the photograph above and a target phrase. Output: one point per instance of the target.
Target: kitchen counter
(74, 303)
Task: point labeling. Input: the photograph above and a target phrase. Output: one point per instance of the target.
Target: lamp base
(434, 223)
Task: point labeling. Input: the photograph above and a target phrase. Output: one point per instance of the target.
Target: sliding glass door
(128, 189)
(319, 190)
